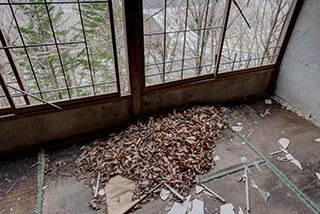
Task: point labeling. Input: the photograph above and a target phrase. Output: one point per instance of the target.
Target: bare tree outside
(248, 47)
(175, 48)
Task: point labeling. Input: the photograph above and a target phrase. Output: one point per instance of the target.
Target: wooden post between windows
(133, 20)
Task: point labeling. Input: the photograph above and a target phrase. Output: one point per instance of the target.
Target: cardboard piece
(119, 193)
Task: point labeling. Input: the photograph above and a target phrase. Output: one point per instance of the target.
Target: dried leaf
(172, 148)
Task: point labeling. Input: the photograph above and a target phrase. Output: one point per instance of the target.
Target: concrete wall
(299, 78)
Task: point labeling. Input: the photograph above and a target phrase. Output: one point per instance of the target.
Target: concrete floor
(65, 194)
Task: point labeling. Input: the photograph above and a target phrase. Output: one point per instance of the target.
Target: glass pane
(51, 76)
(33, 22)
(121, 47)
(8, 26)
(98, 34)
(3, 100)
(78, 73)
(153, 15)
(192, 29)
(253, 40)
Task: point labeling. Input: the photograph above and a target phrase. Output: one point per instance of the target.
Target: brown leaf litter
(172, 148)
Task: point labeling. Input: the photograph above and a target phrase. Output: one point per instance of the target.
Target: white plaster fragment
(208, 193)
(318, 175)
(267, 112)
(227, 209)
(240, 211)
(101, 192)
(216, 158)
(268, 101)
(284, 142)
(237, 128)
(178, 208)
(197, 207)
(164, 194)
(181, 208)
(199, 189)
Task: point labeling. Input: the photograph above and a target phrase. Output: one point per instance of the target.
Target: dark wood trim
(13, 66)
(208, 78)
(7, 93)
(133, 22)
(284, 40)
(222, 36)
(178, 82)
(114, 46)
(28, 111)
(32, 110)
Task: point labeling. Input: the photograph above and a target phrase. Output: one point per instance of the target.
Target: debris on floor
(317, 140)
(199, 189)
(268, 101)
(216, 158)
(175, 192)
(164, 194)
(265, 195)
(290, 158)
(96, 188)
(237, 128)
(247, 190)
(119, 195)
(284, 142)
(240, 211)
(184, 207)
(318, 175)
(178, 208)
(101, 192)
(227, 209)
(245, 162)
(195, 206)
(256, 164)
(214, 194)
(267, 112)
(95, 204)
(172, 148)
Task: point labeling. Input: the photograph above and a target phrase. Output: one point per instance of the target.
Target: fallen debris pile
(172, 148)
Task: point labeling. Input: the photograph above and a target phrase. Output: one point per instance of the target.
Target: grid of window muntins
(53, 50)
(181, 37)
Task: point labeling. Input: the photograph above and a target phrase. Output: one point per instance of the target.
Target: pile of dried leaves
(172, 148)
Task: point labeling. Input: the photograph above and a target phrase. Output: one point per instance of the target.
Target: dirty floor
(291, 190)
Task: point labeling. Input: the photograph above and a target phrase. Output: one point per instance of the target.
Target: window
(61, 50)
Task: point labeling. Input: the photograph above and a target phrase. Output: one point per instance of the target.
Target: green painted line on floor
(230, 171)
(40, 175)
(305, 199)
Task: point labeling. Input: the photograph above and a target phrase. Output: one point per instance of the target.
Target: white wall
(299, 78)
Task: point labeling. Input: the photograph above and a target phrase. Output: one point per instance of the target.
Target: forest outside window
(61, 50)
